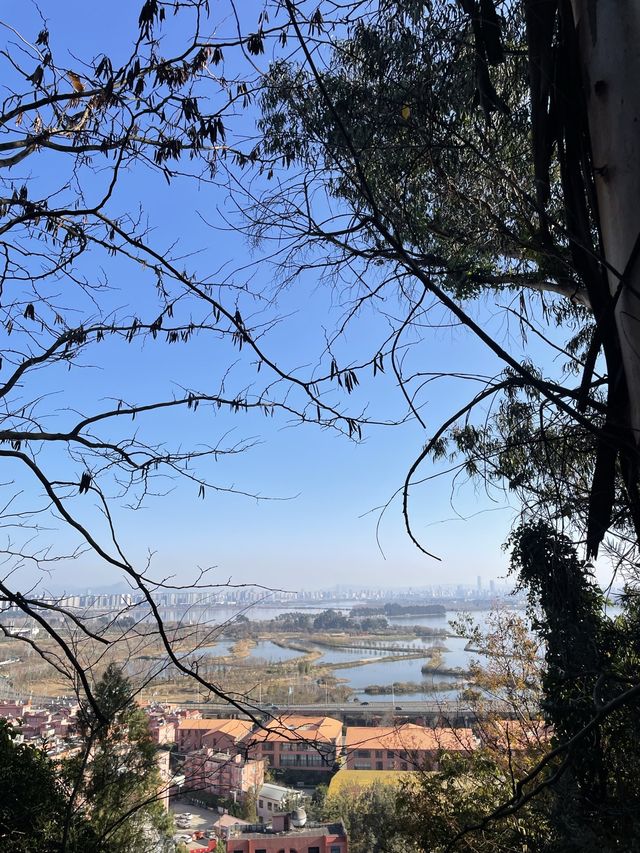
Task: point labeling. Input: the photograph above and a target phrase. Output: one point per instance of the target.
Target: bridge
(428, 712)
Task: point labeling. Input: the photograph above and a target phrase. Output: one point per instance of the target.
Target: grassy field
(351, 780)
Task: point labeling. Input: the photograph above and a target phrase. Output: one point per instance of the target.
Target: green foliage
(590, 661)
(33, 802)
(371, 819)
(295, 621)
(331, 620)
(248, 807)
(510, 668)
(117, 775)
(402, 92)
(452, 804)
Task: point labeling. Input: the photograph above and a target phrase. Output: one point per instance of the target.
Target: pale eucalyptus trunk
(609, 44)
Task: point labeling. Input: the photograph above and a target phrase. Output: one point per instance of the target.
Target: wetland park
(288, 656)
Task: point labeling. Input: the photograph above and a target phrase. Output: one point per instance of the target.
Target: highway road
(426, 709)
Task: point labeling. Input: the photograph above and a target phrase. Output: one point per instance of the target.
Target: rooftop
(515, 734)
(235, 728)
(294, 727)
(276, 792)
(256, 831)
(408, 737)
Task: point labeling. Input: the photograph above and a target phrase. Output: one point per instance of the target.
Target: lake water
(427, 696)
(387, 673)
(452, 650)
(454, 654)
(263, 650)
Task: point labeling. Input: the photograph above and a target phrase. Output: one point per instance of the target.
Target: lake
(264, 650)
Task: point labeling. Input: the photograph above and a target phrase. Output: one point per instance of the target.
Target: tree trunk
(609, 40)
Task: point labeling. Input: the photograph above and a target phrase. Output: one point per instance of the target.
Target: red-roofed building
(301, 743)
(220, 735)
(162, 731)
(406, 747)
(14, 709)
(311, 838)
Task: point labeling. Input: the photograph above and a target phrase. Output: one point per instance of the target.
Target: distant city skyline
(334, 592)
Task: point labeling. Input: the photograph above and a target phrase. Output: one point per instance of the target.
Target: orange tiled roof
(515, 734)
(408, 737)
(293, 727)
(235, 728)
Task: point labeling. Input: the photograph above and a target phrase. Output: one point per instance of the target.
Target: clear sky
(318, 526)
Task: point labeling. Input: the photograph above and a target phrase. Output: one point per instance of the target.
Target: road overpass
(429, 712)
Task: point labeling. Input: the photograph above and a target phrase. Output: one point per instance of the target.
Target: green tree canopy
(115, 779)
(34, 802)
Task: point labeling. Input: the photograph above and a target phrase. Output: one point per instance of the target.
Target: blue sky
(319, 526)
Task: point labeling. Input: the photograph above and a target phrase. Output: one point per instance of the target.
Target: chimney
(280, 823)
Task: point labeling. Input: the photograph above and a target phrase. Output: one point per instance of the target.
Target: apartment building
(285, 835)
(222, 774)
(301, 743)
(405, 747)
(274, 799)
(220, 735)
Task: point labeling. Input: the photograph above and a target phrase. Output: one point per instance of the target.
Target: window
(390, 754)
(261, 803)
(296, 746)
(267, 747)
(403, 766)
(270, 806)
(363, 753)
(378, 753)
(302, 761)
(335, 849)
(314, 850)
(379, 765)
(261, 851)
